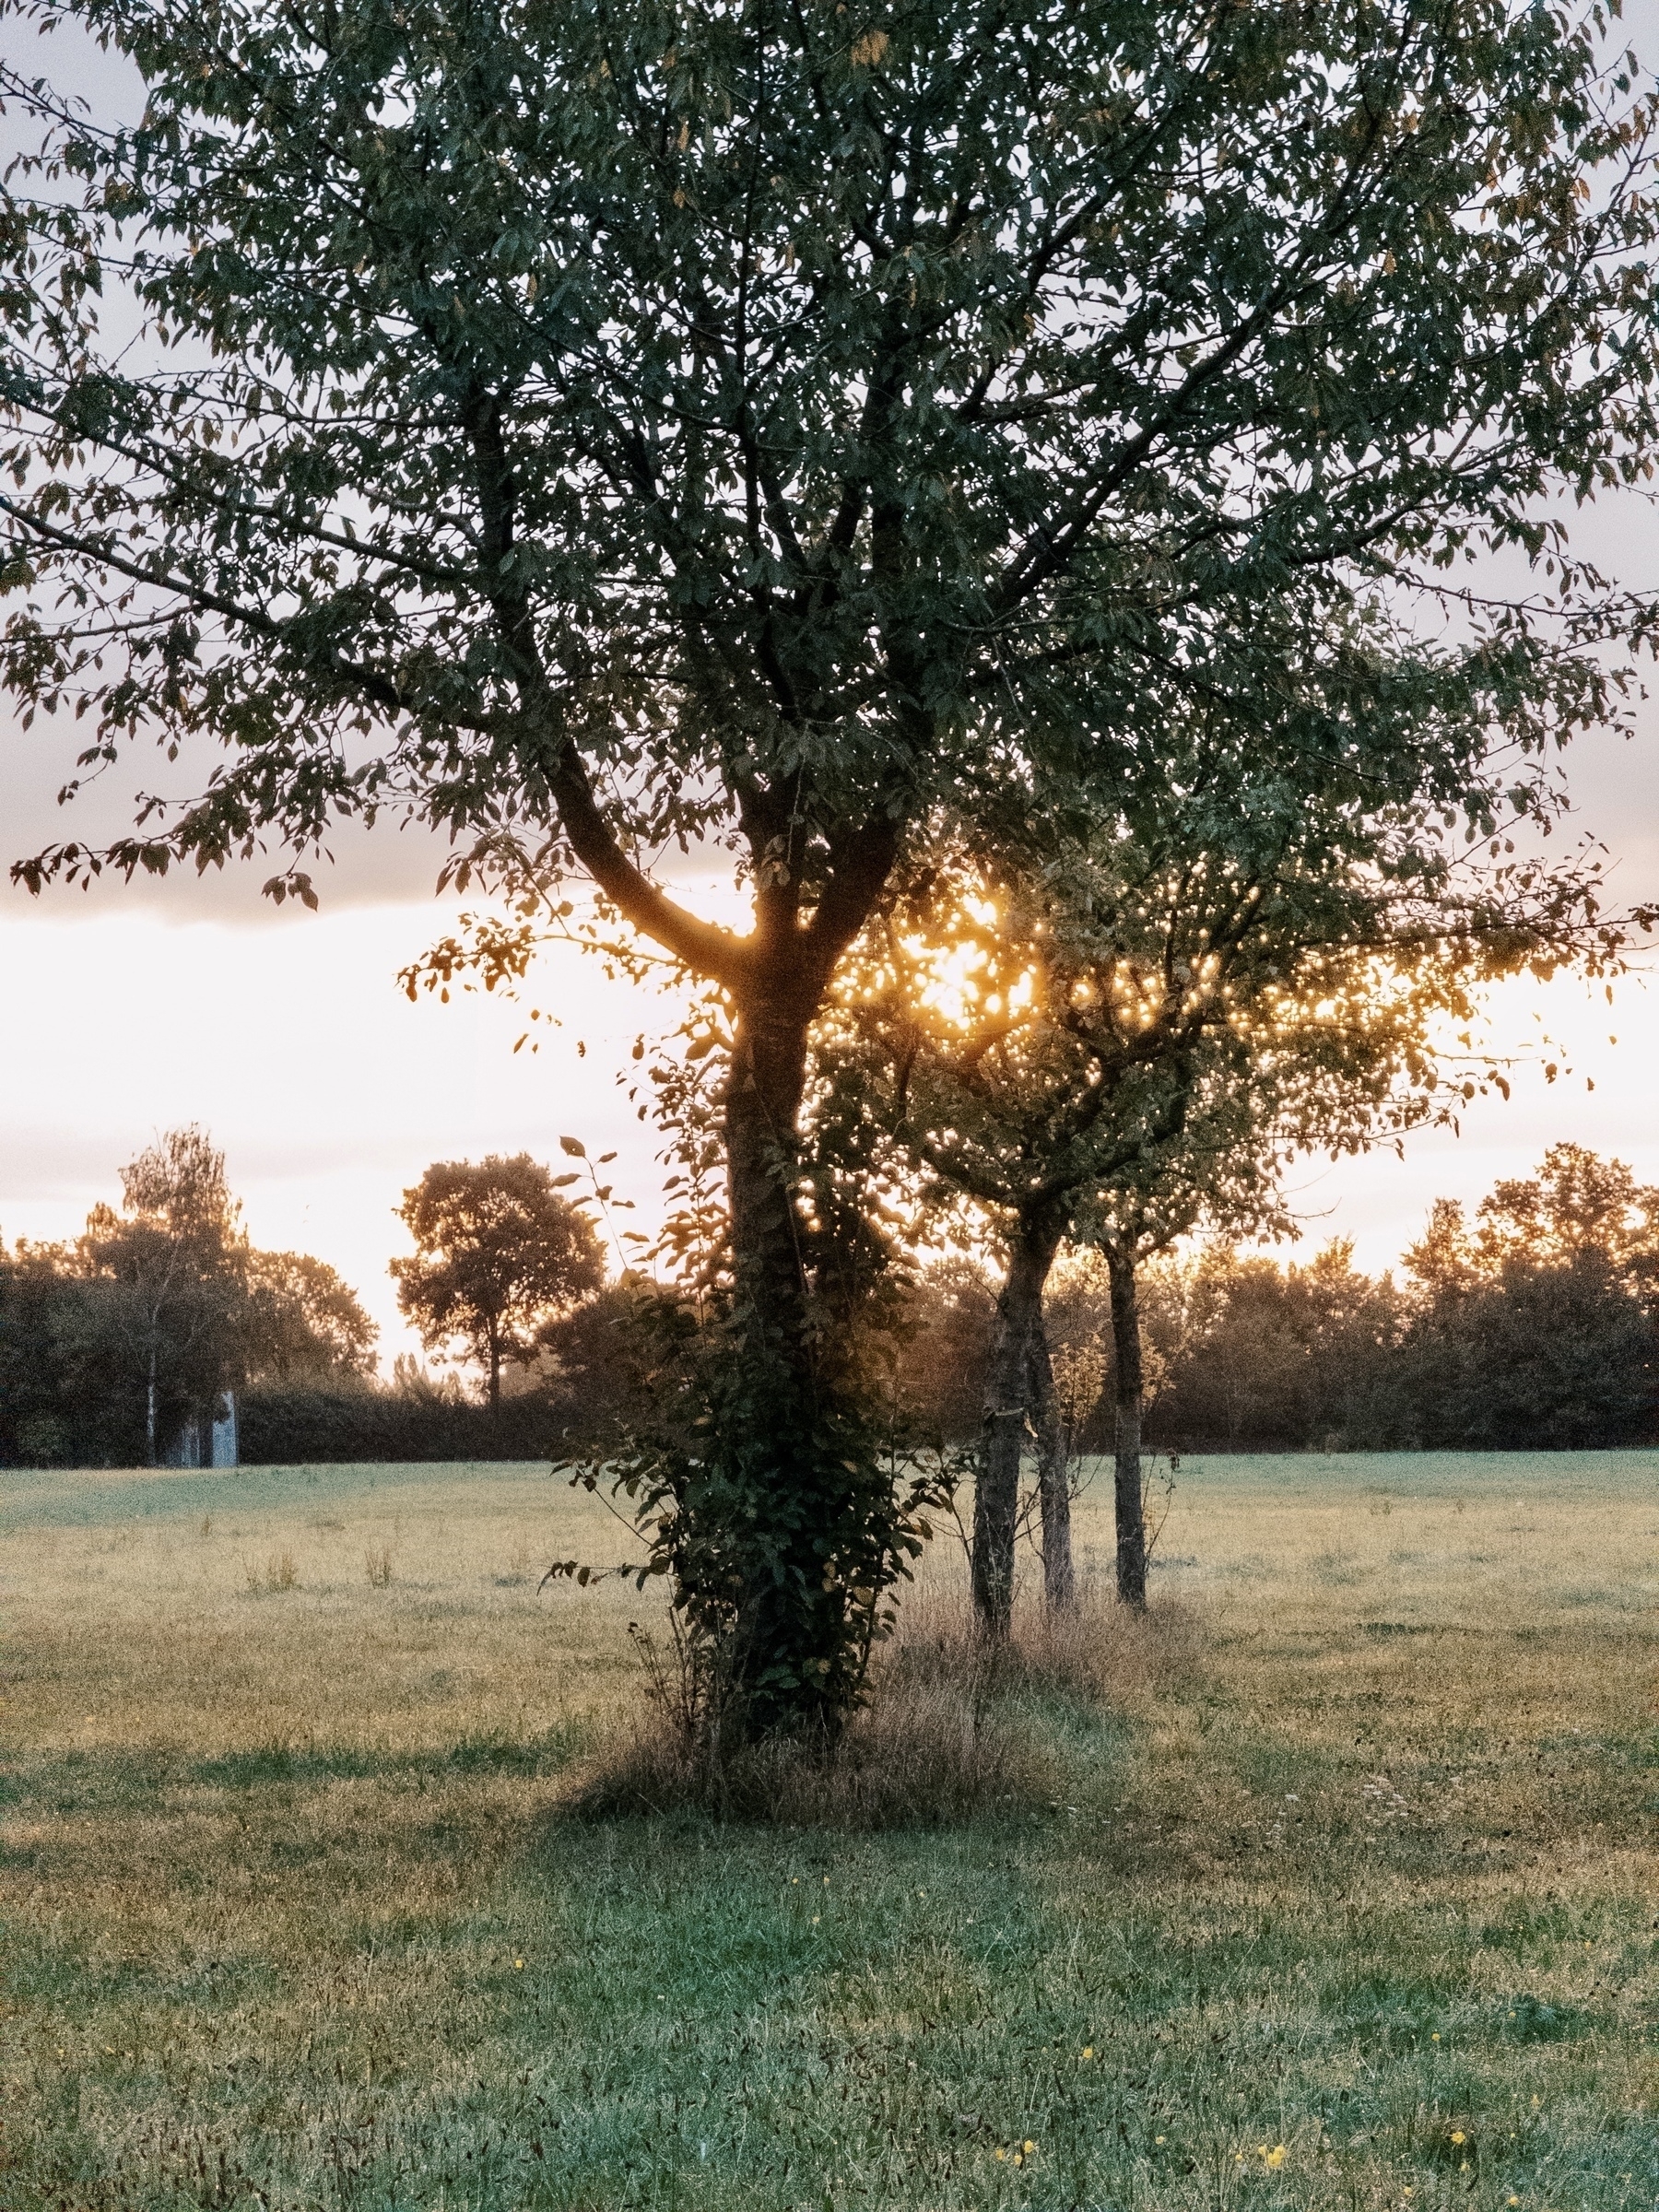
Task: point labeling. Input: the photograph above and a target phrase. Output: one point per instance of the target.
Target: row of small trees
(1052, 439)
(1536, 1327)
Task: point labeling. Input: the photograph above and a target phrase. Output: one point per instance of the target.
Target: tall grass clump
(953, 1730)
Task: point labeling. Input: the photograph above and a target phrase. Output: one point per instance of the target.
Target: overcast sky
(126, 1010)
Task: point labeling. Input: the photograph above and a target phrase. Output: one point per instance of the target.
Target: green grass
(1354, 1859)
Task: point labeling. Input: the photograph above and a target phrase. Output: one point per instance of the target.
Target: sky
(126, 1010)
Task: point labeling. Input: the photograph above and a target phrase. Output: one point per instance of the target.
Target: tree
(498, 1255)
(1576, 1203)
(304, 1323)
(38, 1313)
(1536, 1328)
(1291, 1357)
(172, 1267)
(1132, 1023)
(597, 429)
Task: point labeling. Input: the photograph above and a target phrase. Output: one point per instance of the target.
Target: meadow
(1332, 1885)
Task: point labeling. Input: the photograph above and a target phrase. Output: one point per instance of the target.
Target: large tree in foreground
(599, 427)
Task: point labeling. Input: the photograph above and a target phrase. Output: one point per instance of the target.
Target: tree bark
(788, 1623)
(495, 1375)
(1054, 1489)
(1007, 1404)
(1131, 1389)
(149, 1412)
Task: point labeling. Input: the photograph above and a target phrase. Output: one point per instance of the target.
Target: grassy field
(1343, 1894)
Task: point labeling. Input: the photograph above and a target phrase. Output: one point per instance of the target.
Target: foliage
(303, 1321)
(775, 1613)
(310, 1424)
(950, 1318)
(1577, 1205)
(161, 1330)
(110, 1346)
(498, 1255)
(630, 419)
(1254, 1356)
(1536, 1331)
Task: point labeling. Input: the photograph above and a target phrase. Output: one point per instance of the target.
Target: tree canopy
(625, 421)
(498, 1255)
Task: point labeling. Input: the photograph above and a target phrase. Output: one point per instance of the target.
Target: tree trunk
(1126, 1485)
(789, 1645)
(149, 1414)
(1054, 1489)
(1007, 1404)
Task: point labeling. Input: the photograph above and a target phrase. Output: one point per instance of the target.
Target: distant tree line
(1534, 1326)
(114, 1344)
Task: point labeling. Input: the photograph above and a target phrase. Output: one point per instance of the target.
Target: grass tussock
(954, 1730)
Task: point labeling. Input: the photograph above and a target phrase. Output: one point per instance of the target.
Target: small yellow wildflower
(1512, 2200)
(1274, 2158)
(1088, 2049)
(1002, 2154)
(518, 1965)
(816, 1918)
(1161, 2139)
(1017, 2159)
(1028, 2146)
(1458, 2136)
(1435, 2036)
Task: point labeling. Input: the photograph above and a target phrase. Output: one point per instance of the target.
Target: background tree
(1140, 1018)
(603, 427)
(498, 1255)
(1258, 1355)
(1530, 1329)
(305, 1321)
(169, 1271)
(1537, 1328)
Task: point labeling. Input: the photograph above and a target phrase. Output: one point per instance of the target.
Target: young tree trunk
(150, 1413)
(1126, 1485)
(1008, 1405)
(495, 1375)
(1053, 1491)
